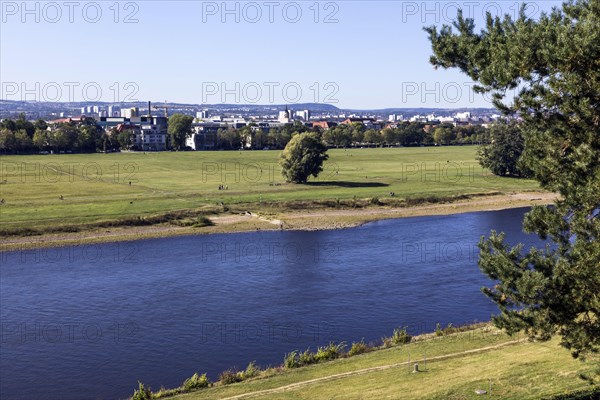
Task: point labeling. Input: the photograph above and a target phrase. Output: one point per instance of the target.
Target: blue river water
(88, 322)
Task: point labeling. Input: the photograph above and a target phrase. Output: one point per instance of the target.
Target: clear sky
(352, 54)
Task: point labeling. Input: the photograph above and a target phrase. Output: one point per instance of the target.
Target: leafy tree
(59, 140)
(340, 136)
(358, 135)
(413, 134)
(503, 155)
(179, 128)
(86, 141)
(229, 139)
(40, 139)
(8, 124)
(125, 138)
(391, 136)
(444, 134)
(40, 124)
(556, 290)
(21, 123)
(7, 140)
(373, 137)
(303, 156)
(279, 138)
(23, 143)
(259, 139)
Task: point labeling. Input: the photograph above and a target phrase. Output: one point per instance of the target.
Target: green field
(96, 187)
(457, 365)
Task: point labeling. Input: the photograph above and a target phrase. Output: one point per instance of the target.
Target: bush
(329, 352)
(291, 360)
(448, 330)
(142, 393)
(230, 376)
(401, 336)
(307, 357)
(196, 382)
(251, 371)
(438, 330)
(358, 348)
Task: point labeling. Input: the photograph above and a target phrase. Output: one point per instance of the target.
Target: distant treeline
(21, 136)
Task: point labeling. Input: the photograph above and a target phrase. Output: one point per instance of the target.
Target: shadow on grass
(347, 184)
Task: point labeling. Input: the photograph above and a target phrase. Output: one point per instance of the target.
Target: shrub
(251, 371)
(358, 348)
(291, 360)
(329, 352)
(307, 357)
(401, 336)
(196, 382)
(450, 329)
(375, 201)
(438, 330)
(142, 393)
(230, 376)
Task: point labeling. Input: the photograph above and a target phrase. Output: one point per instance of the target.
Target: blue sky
(353, 54)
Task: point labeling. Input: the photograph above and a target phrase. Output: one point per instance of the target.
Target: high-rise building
(305, 115)
(202, 114)
(130, 112)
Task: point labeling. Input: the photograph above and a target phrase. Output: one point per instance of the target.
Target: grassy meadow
(453, 366)
(42, 191)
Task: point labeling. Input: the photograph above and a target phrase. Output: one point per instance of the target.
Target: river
(88, 322)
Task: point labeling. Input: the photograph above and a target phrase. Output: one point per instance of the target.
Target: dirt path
(366, 371)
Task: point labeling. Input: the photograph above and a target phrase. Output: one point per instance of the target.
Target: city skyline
(374, 56)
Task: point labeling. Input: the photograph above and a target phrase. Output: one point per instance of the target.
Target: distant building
(369, 123)
(152, 135)
(205, 136)
(463, 117)
(325, 125)
(286, 117)
(202, 114)
(304, 115)
(113, 111)
(130, 112)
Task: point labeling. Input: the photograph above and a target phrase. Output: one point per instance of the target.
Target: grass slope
(457, 366)
(95, 187)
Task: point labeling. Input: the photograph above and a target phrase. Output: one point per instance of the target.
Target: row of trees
(348, 135)
(22, 137)
(405, 134)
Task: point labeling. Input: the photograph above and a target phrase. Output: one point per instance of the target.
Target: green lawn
(96, 186)
(517, 371)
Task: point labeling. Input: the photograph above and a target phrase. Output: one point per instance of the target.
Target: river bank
(265, 219)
